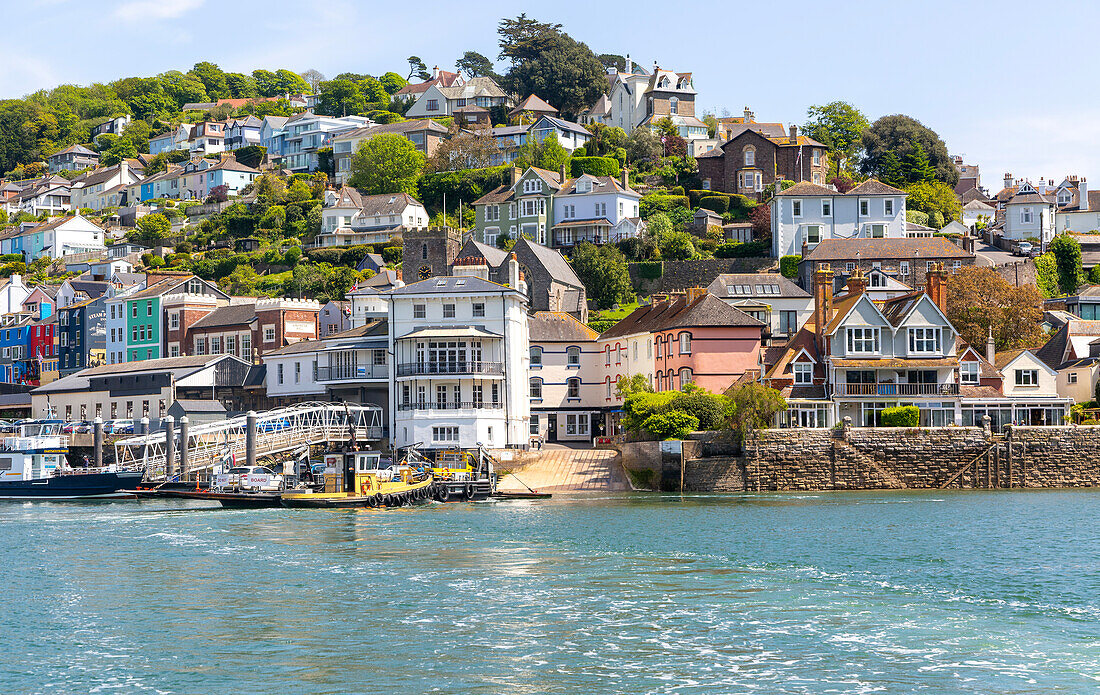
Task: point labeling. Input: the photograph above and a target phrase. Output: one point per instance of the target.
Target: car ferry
(460, 476)
(33, 465)
(355, 479)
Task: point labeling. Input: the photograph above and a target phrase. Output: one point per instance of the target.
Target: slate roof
(1057, 350)
(807, 188)
(875, 187)
(601, 184)
(475, 86)
(371, 205)
(180, 366)
(443, 79)
(451, 285)
(1030, 197)
(552, 261)
(921, 248)
(231, 315)
(756, 282)
(75, 149)
(704, 311)
(557, 327)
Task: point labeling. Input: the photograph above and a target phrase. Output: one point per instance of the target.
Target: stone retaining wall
(677, 276)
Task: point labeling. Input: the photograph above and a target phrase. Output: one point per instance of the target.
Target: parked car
(118, 427)
(1023, 249)
(70, 428)
(254, 479)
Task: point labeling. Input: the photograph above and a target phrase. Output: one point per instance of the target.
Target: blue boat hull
(69, 487)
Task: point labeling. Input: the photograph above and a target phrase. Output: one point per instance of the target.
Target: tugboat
(460, 476)
(33, 466)
(355, 479)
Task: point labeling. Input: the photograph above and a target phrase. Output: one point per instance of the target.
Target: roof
(705, 310)
(370, 205)
(190, 405)
(565, 125)
(552, 260)
(807, 188)
(442, 78)
(875, 187)
(451, 285)
(557, 327)
(608, 184)
(897, 362)
(475, 86)
(758, 284)
(1003, 359)
(533, 103)
(231, 315)
(75, 149)
(451, 332)
(179, 366)
(903, 249)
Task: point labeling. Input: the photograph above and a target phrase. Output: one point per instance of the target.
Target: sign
(221, 480)
(256, 480)
(672, 446)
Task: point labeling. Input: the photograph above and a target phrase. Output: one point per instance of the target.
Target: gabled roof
(474, 87)
(558, 327)
(76, 149)
(705, 310)
(600, 184)
(369, 205)
(552, 260)
(923, 248)
(807, 188)
(443, 79)
(875, 187)
(533, 103)
(493, 256)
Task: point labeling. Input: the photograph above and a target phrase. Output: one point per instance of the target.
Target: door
(552, 428)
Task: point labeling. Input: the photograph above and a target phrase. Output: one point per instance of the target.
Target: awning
(447, 333)
(598, 222)
(901, 363)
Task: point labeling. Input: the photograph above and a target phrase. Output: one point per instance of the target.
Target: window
(685, 377)
(796, 208)
(174, 320)
(826, 207)
(200, 347)
(444, 434)
(479, 309)
(903, 267)
(433, 105)
(864, 208)
(536, 388)
(817, 157)
(924, 340)
(280, 370)
(863, 339)
(788, 322)
(685, 343)
(149, 308)
(572, 356)
(803, 373)
(194, 286)
(576, 424)
(1025, 216)
(673, 105)
(1027, 377)
(133, 310)
(877, 231)
(420, 311)
(532, 186)
(1072, 377)
(968, 372)
(246, 346)
(888, 207)
(536, 356)
(750, 156)
(448, 311)
(573, 387)
(269, 334)
(492, 213)
(534, 424)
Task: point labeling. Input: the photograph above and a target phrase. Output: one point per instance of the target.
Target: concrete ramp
(565, 470)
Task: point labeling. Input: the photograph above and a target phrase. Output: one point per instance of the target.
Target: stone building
(428, 252)
(907, 260)
(753, 159)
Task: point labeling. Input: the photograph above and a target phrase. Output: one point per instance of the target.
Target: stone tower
(428, 252)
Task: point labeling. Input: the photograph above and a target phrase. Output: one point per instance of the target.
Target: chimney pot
(794, 134)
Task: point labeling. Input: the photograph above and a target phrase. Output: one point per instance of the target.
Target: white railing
(279, 430)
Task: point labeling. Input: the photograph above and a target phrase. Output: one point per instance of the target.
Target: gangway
(277, 431)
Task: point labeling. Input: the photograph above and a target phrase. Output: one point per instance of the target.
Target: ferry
(355, 479)
(33, 466)
(460, 476)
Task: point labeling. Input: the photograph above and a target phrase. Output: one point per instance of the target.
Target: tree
(672, 424)
(417, 69)
(240, 86)
(392, 82)
(979, 299)
(843, 184)
(183, 89)
(934, 197)
(840, 126)
(467, 150)
(314, 78)
(611, 60)
(754, 406)
(547, 154)
(635, 383)
(917, 167)
(386, 163)
(605, 139)
(901, 134)
(604, 274)
(643, 146)
(890, 170)
(218, 194)
(550, 63)
(151, 228)
(213, 79)
(677, 246)
(290, 83)
(340, 98)
(475, 65)
(1067, 254)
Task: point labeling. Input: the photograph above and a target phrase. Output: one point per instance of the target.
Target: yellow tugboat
(354, 479)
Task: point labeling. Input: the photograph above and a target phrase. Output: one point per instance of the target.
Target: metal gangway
(275, 431)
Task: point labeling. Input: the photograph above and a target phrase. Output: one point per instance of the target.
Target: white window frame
(826, 207)
(810, 238)
(888, 206)
(864, 207)
(968, 372)
(925, 340)
(1027, 377)
(796, 208)
(863, 340)
(803, 373)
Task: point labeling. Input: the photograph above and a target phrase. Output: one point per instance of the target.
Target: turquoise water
(994, 592)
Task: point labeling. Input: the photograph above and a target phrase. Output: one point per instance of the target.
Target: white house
(350, 217)
(767, 297)
(1029, 215)
(13, 292)
(805, 214)
(460, 363)
(566, 382)
(438, 100)
(976, 211)
(308, 132)
(93, 189)
(597, 209)
(1078, 207)
(63, 236)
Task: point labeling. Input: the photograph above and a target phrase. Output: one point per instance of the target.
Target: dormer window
(1064, 197)
(664, 83)
(532, 186)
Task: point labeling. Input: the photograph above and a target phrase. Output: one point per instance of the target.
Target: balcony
(353, 372)
(449, 368)
(450, 405)
(897, 389)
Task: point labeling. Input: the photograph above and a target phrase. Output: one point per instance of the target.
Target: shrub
(274, 218)
(601, 325)
(596, 166)
(659, 202)
(710, 410)
(901, 416)
(788, 266)
(292, 256)
(677, 246)
(326, 255)
(676, 190)
(717, 203)
(638, 406)
(737, 249)
(465, 184)
(671, 425)
(353, 255)
(392, 254)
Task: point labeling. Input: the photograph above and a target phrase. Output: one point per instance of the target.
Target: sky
(1006, 85)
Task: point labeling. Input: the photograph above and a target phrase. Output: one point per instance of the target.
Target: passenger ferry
(33, 466)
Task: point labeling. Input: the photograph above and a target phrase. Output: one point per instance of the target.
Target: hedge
(392, 254)
(671, 425)
(717, 203)
(596, 166)
(659, 202)
(465, 185)
(788, 266)
(601, 325)
(736, 249)
(901, 416)
(650, 270)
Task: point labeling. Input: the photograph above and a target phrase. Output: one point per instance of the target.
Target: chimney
(625, 181)
(514, 274)
(435, 72)
(695, 293)
(794, 134)
(748, 115)
(515, 174)
(629, 67)
(1083, 195)
(561, 174)
(935, 286)
(655, 68)
(857, 282)
(1009, 180)
(990, 347)
(823, 300)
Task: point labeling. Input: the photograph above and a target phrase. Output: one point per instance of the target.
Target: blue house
(81, 335)
(15, 333)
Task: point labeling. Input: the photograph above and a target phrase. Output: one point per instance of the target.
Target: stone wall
(886, 458)
(1019, 273)
(677, 276)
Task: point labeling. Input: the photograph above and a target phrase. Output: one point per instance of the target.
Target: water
(833, 593)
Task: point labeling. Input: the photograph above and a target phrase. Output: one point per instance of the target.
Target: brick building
(200, 325)
(907, 260)
(753, 159)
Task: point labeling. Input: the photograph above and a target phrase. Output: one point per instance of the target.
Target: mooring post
(169, 446)
(97, 441)
(144, 426)
(1008, 452)
(185, 463)
(250, 438)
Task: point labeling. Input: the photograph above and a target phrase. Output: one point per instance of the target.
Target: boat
(355, 479)
(460, 476)
(33, 466)
(235, 500)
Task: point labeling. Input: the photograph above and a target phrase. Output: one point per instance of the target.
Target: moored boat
(33, 466)
(354, 479)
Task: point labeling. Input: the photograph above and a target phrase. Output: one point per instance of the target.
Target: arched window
(536, 388)
(618, 353)
(573, 387)
(673, 105)
(536, 356)
(423, 252)
(664, 82)
(607, 355)
(750, 155)
(685, 343)
(572, 356)
(607, 382)
(685, 377)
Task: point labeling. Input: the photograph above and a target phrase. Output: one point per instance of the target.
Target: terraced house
(138, 322)
(82, 335)
(523, 207)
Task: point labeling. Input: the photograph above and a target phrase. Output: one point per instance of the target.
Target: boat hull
(389, 495)
(71, 487)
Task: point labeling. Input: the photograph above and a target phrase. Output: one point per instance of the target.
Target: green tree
(213, 79)
(241, 282)
(901, 134)
(839, 126)
(677, 246)
(386, 163)
(604, 274)
(476, 65)
(1067, 254)
(183, 89)
(392, 82)
(417, 69)
(917, 167)
(934, 197)
(151, 229)
(754, 406)
(890, 170)
(340, 98)
(672, 424)
(635, 383)
(547, 154)
(241, 86)
(643, 146)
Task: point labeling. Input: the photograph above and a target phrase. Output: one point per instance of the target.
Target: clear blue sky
(1010, 85)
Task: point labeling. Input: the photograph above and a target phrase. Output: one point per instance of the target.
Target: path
(569, 470)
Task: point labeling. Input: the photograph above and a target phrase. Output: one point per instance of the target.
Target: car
(70, 428)
(118, 427)
(1022, 249)
(254, 479)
